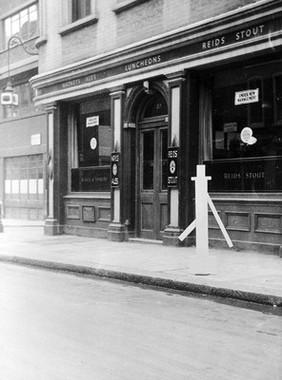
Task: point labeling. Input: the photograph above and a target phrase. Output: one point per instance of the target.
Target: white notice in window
(246, 97)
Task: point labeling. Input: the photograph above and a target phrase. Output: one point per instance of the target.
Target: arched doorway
(151, 165)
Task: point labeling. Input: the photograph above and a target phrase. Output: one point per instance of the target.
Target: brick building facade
(22, 125)
(128, 85)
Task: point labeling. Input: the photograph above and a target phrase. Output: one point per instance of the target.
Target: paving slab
(245, 275)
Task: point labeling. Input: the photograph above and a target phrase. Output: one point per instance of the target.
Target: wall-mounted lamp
(8, 97)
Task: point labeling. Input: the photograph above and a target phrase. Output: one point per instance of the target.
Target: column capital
(51, 107)
(117, 91)
(178, 76)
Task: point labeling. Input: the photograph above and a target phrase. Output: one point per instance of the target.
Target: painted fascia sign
(246, 96)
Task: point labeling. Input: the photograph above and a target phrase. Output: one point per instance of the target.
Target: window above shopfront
(77, 14)
(23, 24)
(80, 9)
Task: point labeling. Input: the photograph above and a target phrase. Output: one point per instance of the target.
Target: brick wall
(115, 30)
(159, 16)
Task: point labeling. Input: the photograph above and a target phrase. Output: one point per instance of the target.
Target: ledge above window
(127, 4)
(89, 20)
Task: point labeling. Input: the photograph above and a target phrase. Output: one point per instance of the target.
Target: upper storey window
(80, 9)
(77, 14)
(23, 24)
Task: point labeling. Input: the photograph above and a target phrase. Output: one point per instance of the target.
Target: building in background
(138, 92)
(22, 125)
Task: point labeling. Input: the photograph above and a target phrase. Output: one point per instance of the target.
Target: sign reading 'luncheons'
(192, 49)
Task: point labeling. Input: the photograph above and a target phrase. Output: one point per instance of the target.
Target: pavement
(242, 275)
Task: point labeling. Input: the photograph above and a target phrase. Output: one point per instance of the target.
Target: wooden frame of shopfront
(176, 60)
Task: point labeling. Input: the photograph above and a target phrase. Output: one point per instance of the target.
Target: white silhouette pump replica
(203, 263)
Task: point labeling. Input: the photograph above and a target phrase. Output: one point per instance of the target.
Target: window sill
(127, 4)
(42, 40)
(86, 21)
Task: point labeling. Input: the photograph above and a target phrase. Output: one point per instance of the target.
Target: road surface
(56, 326)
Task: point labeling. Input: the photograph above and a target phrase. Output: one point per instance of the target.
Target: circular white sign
(115, 169)
(172, 167)
(93, 143)
(246, 134)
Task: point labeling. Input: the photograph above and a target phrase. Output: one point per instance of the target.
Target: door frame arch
(142, 101)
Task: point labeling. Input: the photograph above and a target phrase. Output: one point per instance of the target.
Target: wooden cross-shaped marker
(201, 222)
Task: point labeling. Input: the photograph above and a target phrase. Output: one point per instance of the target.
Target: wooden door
(152, 208)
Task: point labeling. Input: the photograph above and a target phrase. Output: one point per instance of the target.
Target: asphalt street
(56, 326)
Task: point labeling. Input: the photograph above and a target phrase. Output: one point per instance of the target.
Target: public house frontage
(127, 129)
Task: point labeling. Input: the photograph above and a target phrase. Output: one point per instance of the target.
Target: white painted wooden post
(203, 263)
(201, 192)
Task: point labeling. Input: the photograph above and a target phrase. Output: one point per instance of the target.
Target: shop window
(91, 146)
(24, 178)
(23, 24)
(243, 116)
(240, 114)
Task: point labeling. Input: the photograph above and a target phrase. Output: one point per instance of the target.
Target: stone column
(52, 225)
(176, 89)
(116, 229)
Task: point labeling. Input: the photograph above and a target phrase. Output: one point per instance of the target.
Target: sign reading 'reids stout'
(245, 176)
(239, 36)
(172, 179)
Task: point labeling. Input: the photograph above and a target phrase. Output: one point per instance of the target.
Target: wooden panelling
(104, 214)
(211, 220)
(88, 214)
(238, 221)
(164, 216)
(268, 223)
(146, 216)
(72, 211)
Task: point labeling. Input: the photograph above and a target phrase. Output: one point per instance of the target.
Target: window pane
(33, 13)
(148, 160)
(15, 24)
(80, 9)
(24, 24)
(255, 109)
(164, 143)
(33, 21)
(278, 99)
(8, 29)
